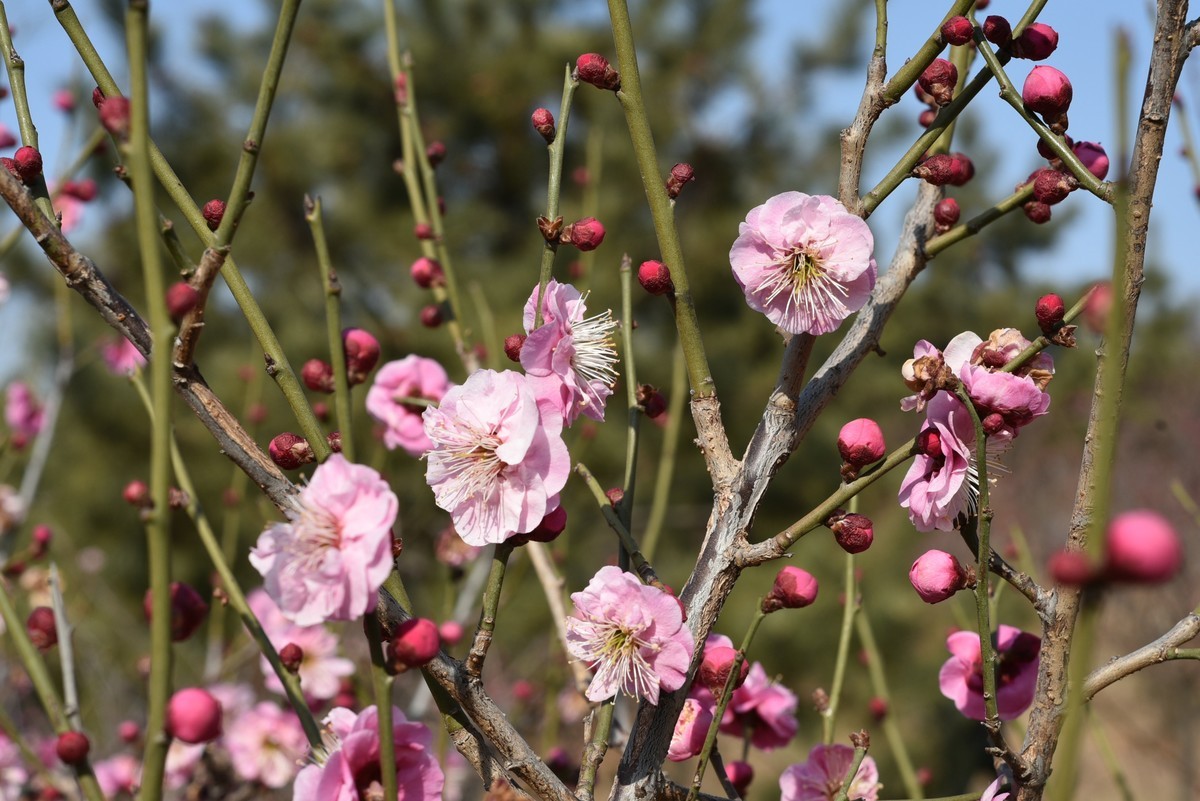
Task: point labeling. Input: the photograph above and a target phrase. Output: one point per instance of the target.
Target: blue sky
(1084, 53)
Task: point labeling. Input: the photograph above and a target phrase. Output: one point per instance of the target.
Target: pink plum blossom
(570, 358)
(350, 768)
(498, 460)
(182, 759)
(7, 137)
(961, 677)
(938, 488)
(1016, 399)
(70, 211)
(925, 362)
(764, 708)
(121, 357)
(991, 792)
(820, 778)
(411, 377)
(265, 744)
(632, 634)
(804, 261)
(120, 774)
(13, 774)
(329, 560)
(321, 670)
(687, 740)
(23, 414)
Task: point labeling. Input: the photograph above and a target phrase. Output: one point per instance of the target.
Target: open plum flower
(821, 776)
(321, 669)
(411, 377)
(1017, 656)
(570, 358)
(938, 487)
(764, 708)
(632, 634)
(329, 559)
(804, 261)
(498, 459)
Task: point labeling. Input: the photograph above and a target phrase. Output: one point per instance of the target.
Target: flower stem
(849, 609)
(908, 74)
(381, 683)
(596, 748)
(878, 676)
(977, 223)
(554, 187)
(670, 449)
(29, 135)
(333, 324)
(625, 507)
(860, 754)
(487, 616)
(643, 568)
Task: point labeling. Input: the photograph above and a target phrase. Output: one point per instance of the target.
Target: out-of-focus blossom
(121, 357)
(265, 745)
(182, 759)
(414, 377)
(12, 508)
(764, 708)
(961, 677)
(23, 414)
(118, 776)
(321, 669)
(991, 794)
(820, 778)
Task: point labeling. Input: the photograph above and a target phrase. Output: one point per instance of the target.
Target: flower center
(314, 532)
(615, 652)
(595, 352)
(807, 285)
(469, 459)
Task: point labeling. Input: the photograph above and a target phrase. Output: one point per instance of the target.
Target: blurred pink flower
(182, 759)
(687, 740)
(940, 487)
(411, 377)
(121, 357)
(1017, 656)
(13, 774)
(990, 793)
(328, 561)
(117, 774)
(570, 358)
(764, 708)
(632, 634)
(70, 210)
(498, 460)
(804, 261)
(7, 137)
(321, 670)
(820, 778)
(352, 766)
(265, 744)
(22, 412)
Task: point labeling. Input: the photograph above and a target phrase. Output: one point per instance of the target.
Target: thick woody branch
(1157, 652)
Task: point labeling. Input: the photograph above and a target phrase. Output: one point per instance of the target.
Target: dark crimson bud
(651, 400)
(214, 211)
(878, 708)
(1037, 212)
(362, 354)
(431, 316)
(423, 231)
(512, 347)
(291, 656)
(97, 97)
(946, 213)
(317, 375)
(1036, 42)
(334, 440)
(84, 190)
(1050, 310)
(188, 610)
(114, 116)
(290, 451)
(553, 524)
(957, 31)
(594, 68)
(1072, 568)
(926, 118)
(435, 153)
(740, 774)
(415, 643)
(72, 747)
(615, 495)
(29, 163)
(681, 174)
(41, 628)
(655, 277)
(181, 299)
(993, 423)
(136, 493)
(717, 665)
(1047, 91)
(1044, 149)
(793, 589)
(998, 31)
(585, 234)
(954, 169)
(1052, 186)
(543, 123)
(929, 442)
(853, 532)
(427, 272)
(939, 80)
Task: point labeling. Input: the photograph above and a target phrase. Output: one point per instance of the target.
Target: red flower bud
(957, 31)
(427, 272)
(1037, 212)
(512, 347)
(97, 97)
(878, 709)
(998, 31)
(136, 493)
(291, 656)
(926, 118)
(552, 525)
(317, 375)
(1052, 186)
(1047, 91)
(414, 643)
(188, 610)
(793, 589)
(615, 495)
(290, 451)
(181, 299)
(435, 153)
(431, 316)
(1050, 310)
(29, 163)
(853, 532)
(72, 747)
(543, 123)
(954, 169)
(1142, 547)
(193, 716)
(651, 400)
(681, 174)
(740, 774)
(362, 354)
(1036, 42)
(860, 442)
(717, 665)
(128, 731)
(1045, 152)
(939, 80)
(1093, 157)
(41, 628)
(937, 575)
(213, 212)
(594, 68)
(946, 213)
(423, 231)
(114, 116)
(1097, 307)
(84, 190)
(1072, 568)
(585, 234)
(334, 440)
(655, 277)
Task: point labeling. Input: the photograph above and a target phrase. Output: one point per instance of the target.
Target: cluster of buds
(415, 642)
(942, 169)
(361, 351)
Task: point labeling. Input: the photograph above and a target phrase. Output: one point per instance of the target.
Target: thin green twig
(333, 324)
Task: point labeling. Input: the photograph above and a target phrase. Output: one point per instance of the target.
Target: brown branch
(1150, 654)
(193, 322)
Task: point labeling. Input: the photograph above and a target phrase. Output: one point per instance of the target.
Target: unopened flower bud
(937, 575)
(716, 666)
(128, 731)
(42, 535)
(435, 153)
(181, 299)
(1037, 212)
(362, 354)
(860, 442)
(114, 116)
(136, 493)
(594, 68)
(427, 272)
(194, 716)
(1050, 310)
(553, 524)
(1072, 568)
(1036, 42)
(317, 375)
(1093, 157)
(291, 656)
(929, 443)
(993, 423)
(939, 80)
(1052, 186)
(400, 89)
(651, 400)
(451, 632)
(681, 174)
(615, 495)
(41, 628)
(954, 169)
(853, 532)
(84, 190)
(213, 213)
(29, 163)
(414, 643)
(585, 234)
(1098, 306)
(878, 708)
(655, 277)
(512, 347)
(957, 31)
(334, 440)
(1142, 547)
(431, 316)
(97, 97)
(740, 775)
(926, 118)
(1047, 91)
(1045, 152)
(290, 451)
(543, 123)
(188, 610)
(793, 589)
(998, 31)
(72, 747)
(946, 213)
(423, 231)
